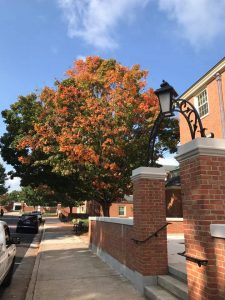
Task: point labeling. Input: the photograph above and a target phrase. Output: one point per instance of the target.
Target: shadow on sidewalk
(65, 230)
(77, 273)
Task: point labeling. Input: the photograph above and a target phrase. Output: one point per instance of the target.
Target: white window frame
(196, 103)
(124, 207)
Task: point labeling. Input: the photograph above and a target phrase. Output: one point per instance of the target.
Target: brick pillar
(202, 171)
(149, 215)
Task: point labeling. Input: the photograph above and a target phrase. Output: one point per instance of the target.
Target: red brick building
(122, 210)
(208, 96)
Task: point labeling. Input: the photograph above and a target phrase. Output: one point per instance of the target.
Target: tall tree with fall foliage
(95, 125)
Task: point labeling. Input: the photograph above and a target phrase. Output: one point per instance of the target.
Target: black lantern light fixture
(168, 105)
(166, 93)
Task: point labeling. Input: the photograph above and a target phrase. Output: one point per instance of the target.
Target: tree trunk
(105, 209)
(71, 211)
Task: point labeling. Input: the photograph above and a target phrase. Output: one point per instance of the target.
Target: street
(26, 253)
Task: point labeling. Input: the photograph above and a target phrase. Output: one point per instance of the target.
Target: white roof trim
(202, 82)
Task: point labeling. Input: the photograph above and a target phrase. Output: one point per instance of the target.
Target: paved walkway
(175, 244)
(66, 269)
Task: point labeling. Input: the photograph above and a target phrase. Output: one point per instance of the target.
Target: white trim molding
(217, 230)
(175, 219)
(124, 221)
(201, 146)
(148, 173)
(204, 80)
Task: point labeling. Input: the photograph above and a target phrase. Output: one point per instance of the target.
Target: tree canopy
(90, 131)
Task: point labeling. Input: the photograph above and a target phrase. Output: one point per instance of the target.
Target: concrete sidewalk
(66, 269)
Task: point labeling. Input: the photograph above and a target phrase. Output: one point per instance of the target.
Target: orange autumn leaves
(89, 119)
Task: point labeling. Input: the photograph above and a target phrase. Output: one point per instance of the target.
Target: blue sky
(176, 40)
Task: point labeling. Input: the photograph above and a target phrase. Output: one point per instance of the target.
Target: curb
(32, 283)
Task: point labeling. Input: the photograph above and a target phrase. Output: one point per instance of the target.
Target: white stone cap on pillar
(201, 146)
(217, 230)
(148, 173)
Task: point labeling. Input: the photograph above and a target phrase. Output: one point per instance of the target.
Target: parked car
(38, 214)
(7, 254)
(28, 223)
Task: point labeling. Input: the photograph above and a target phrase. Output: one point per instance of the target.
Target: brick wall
(149, 215)
(219, 251)
(203, 186)
(42, 209)
(114, 239)
(28, 208)
(66, 210)
(175, 226)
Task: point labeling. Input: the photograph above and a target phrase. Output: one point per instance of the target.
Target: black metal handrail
(152, 235)
(198, 261)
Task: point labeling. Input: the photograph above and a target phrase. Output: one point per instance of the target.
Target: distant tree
(41, 195)
(4, 199)
(3, 189)
(94, 128)
(14, 196)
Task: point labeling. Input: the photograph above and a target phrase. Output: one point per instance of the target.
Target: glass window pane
(121, 210)
(203, 107)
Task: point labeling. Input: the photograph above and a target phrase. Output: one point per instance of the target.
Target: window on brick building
(202, 102)
(122, 211)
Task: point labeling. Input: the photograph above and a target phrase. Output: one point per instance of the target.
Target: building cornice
(204, 80)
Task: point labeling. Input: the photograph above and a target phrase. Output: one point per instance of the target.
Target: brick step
(174, 286)
(178, 271)
(156, 292)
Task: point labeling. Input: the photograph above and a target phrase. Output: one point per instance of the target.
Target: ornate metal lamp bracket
(192, 117)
